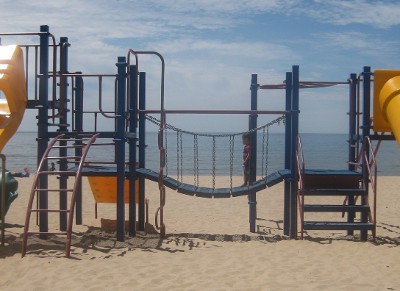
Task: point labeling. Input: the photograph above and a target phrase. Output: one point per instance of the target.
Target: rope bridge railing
(213, 152)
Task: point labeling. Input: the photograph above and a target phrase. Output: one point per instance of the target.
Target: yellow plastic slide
(387, 102)
(13, 97)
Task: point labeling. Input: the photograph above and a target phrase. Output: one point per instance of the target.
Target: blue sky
(212, 47)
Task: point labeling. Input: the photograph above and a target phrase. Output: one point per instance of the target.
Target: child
(246, 159)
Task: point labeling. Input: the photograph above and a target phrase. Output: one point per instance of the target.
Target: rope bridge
(264, 180)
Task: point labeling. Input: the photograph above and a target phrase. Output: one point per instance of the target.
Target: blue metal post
(352, 121)
(120, 146)
(132, 140)
(43, 123)
(142, 148)
(78, 105)
(63, 180)
(288, 155)
(78, 116)
(295, 132)
(366, 126)
(252, 198)
(352, 139)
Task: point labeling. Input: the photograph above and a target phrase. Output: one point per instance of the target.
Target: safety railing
(300, 168)
(370, 175)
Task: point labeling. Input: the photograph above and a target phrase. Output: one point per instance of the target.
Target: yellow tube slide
(389, 102)
(13, 97)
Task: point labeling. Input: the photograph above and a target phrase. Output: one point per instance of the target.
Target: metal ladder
(63, 141)
(338, 183)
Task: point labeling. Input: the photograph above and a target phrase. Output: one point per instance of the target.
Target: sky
(211, 48)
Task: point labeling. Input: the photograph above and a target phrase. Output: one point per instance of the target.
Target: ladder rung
(63, 158)
(330, 225)
(335, 208)
(50, 210)
(69, 146)
(57, 172)
(54, 190)
(58, 124)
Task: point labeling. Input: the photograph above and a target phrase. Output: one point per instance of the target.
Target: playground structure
(58, 97)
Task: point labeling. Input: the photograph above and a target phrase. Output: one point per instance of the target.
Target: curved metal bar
(102, 112)
(100, 97)
(161, 130)
(136, 53)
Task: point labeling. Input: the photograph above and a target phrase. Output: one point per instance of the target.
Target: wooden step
(333, 192)
(335, 208)
(325, 225)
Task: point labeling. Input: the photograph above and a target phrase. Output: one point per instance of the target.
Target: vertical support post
(78, 121)
(295, 133)
(252, 198)
(77, 111)
(142, 148)
(132, 141)
(352, 139)
(366, 125)
(43, 123)
(119, 140)
(288, 155)
(62, 128)
(3, 197)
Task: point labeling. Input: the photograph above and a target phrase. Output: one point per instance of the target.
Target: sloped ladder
(66, 141)
(337, 183)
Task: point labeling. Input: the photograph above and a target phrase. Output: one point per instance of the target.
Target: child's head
(246, 138)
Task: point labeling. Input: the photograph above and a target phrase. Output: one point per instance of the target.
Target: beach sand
(208, 246)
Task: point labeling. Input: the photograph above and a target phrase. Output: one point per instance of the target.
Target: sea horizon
(321, 151)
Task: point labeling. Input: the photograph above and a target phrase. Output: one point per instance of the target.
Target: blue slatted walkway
(208, 192)
(189, 189)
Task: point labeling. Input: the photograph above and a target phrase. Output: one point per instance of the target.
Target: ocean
(190, 156)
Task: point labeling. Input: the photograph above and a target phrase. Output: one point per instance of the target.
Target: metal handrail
(370, 167)
(160, 210)
(100, 90)
(300, 167)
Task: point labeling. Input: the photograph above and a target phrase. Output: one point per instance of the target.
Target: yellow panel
(104, 189)
(12, 84)
(381, 123)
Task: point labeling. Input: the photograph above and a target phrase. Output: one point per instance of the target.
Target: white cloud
(361, 43)
(198, 47)
(209, 55)
(380, 14)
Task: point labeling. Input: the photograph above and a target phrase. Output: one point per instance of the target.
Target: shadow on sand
(102, 243)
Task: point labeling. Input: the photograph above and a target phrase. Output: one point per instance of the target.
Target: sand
(208, 247)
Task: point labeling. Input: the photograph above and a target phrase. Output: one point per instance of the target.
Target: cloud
(379, 14)
(361, 43)
(211, 47)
